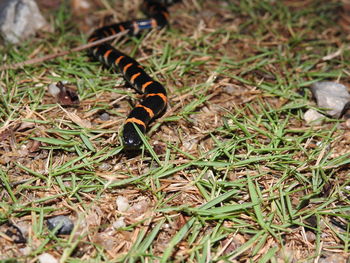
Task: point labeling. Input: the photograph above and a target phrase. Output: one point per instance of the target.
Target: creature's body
(155, 98)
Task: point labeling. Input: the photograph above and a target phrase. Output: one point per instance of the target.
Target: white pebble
(105, 167)
(331, 96)
(119, 223)
(313, 117)
(47, 258)
(25, 250)
(53, 89)
(122, 204)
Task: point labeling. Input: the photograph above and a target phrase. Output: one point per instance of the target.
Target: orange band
(149, 111)
(133, 77)
(126, 67)
(93, 39)
(105, 55)
(121, 28)
(113, 31)
(137, 121)
(118, 60)
(166, 14)
(164, 98)
(144, 86)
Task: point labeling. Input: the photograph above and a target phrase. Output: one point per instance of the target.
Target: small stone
(47, 258)
(122, 204)
(19, 19)
(65, 225)
(229, 89)
(53, 89)
(25, 251)
(105, 240)
(310, 236)
(104, 167)
(138, 208)
(104, 116)
(34, 146)
(119, 223)
(331, 96)
(80, 5)
(313, 117)
(63, 94)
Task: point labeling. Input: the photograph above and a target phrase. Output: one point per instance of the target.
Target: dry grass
(230, 173)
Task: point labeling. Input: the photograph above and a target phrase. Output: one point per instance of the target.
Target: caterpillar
(154, 94)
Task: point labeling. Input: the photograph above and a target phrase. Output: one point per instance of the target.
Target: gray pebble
(104, 116)
(47, 258)
(19, 19)
(66, 225)
(331, 95)
(53, 89)
(313, 117)
(104, 167)
(230, 89)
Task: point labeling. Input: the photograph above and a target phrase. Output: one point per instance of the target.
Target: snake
(154, 95)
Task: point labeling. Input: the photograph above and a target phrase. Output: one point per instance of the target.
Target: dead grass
(230, 173)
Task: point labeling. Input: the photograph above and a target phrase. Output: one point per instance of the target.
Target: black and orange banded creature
(155, 98)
